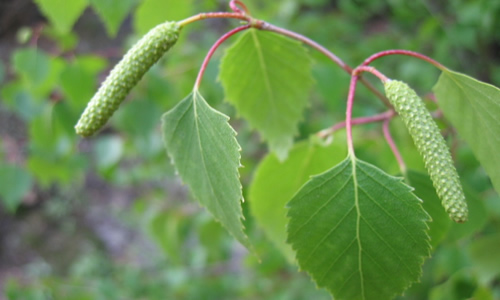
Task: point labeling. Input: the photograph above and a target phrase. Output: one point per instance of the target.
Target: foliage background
(106, 218)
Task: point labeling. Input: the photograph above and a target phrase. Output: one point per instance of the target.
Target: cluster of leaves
(264, 60)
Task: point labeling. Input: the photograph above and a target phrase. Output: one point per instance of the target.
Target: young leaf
(267, 77)
(359, 232)
(112, 12)
(204, 150)
(62, 14)
(276, 182)
(473, 107)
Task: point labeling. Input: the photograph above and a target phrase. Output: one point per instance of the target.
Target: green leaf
(62, 13)
(473, 107)
(204, 150)
(153, 12)
(359, 232)
(268, 77)
(38, 71)
(15, 182)
(32, 65)
(460, 285)
(441, 223)
(112, 12)
(486, 257)
(108, 151)
(78, 80)
(276, 182)
(478, 217)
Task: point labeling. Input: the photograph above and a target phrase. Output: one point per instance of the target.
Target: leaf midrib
(358, 222)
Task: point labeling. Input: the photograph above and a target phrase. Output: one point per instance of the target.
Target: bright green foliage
(276, 182)
(203, 148)
(15, 182)
(441, 223)
(62, 13)
(32, 65)
(37, 71)
(125, 76)
(473, 107)
(112, 12)
(152, 12)
(431, 145)
(359, 232)
(78, 80)
(267, 77)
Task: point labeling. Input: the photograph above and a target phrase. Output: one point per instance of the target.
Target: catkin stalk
(431, 145)
(125, 75)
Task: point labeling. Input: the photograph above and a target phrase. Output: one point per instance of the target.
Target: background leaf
(486, 257)
(112, 12)
(267, 77)
(478, 217)
(153, 12)
(15, 182)
(276, 182)
(61, 13)
(441, 223)
(359, 232)
(473, 107)
(205, 152)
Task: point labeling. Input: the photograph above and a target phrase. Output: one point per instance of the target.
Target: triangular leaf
(204, 150)
(267, 77)
(62, 13)
(359, 232)
(473, 107)
(112, 12)
(276, 182)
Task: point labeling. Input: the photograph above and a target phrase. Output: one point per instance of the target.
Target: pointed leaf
(473, 107)
(267, 77)
(62, 13)
(112, 12)
(276, 182)
(205, 152)
(359, 232)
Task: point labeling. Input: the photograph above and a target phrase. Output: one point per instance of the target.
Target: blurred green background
(106, 217)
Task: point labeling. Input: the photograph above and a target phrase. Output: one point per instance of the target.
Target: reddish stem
(348, 119)
(214, 15)
(307, 41)
(213, 49)
(326, 52)
(235, 6)
(372, 70)
(394, 148)
(378, 55)
(358, 121)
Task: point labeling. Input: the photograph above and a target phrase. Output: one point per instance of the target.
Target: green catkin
(125, 75)
(432, 147)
